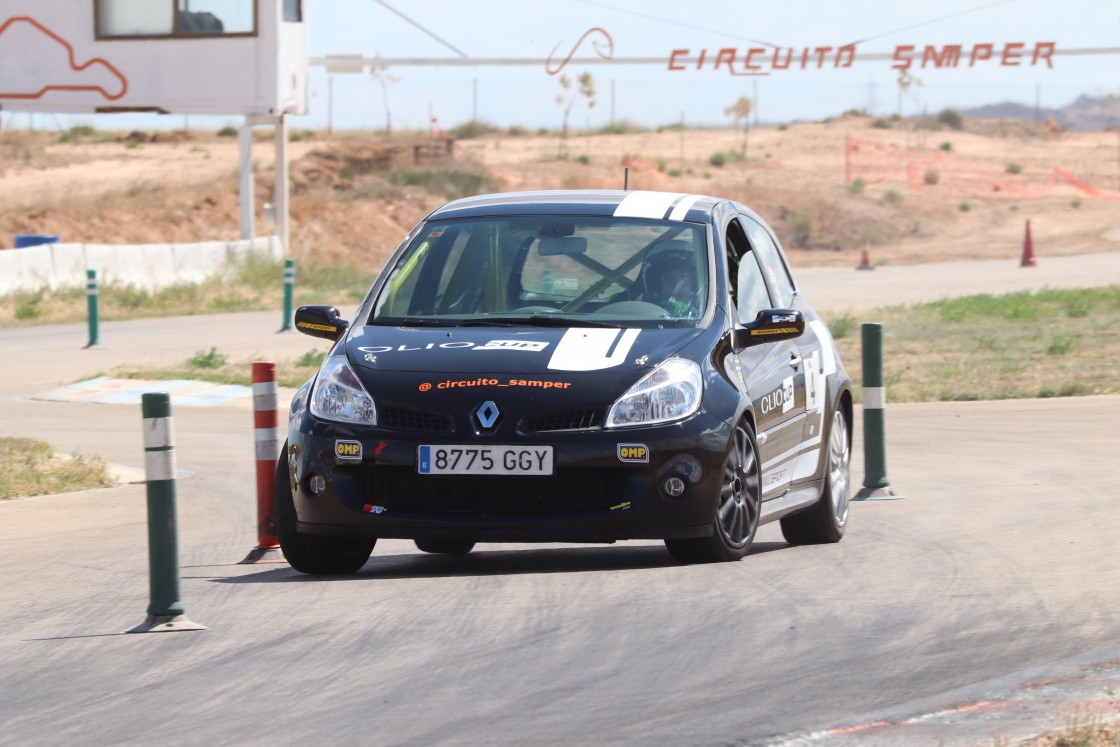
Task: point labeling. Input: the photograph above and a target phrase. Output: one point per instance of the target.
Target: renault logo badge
(487, 414)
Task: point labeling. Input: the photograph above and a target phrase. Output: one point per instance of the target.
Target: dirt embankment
(829, 189)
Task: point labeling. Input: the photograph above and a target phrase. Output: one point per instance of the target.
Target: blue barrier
(25, 240)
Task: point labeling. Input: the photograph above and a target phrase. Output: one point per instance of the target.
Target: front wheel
(737, 509)
(826, 519)
(308, 553)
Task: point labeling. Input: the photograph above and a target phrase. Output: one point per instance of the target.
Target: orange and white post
(266, 433)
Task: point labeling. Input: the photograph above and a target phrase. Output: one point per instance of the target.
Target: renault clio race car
(570, 367)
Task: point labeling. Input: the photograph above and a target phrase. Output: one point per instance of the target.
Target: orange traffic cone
(865, 260)
(1028, 248)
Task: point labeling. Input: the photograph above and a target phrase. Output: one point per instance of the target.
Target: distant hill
(1086, 113)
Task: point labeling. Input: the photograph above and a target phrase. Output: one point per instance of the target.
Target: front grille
(401, 489)
(401, 418)
(565, 420)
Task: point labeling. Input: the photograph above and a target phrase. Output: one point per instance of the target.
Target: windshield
(548, 270)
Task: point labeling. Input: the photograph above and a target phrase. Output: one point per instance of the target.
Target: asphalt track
(940, 618)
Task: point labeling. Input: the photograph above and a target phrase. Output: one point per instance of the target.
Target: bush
(1075, 202)
(893, 196)
(801, 228)
(1013, 168)
(584, 159)
(946, 146)
(472, 129)
(204, 359)
(951, 119)
(783, 127)
(227, 131)
(881, 124)
(857, 186)
(964, 207)
(718, 159)
(931, 177)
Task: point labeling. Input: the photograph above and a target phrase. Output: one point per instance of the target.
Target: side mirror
(771, 325)
(321, 321)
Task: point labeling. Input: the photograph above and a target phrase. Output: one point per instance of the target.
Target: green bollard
(289, 288)
(875, 482)
(165, 609)
(91, 306)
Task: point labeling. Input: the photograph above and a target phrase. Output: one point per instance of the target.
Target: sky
(652, 95)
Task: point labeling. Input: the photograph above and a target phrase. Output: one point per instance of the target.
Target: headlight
(671, 392)
(338, 395)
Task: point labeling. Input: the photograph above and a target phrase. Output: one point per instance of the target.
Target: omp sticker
(348, 450)
(633, 453)
(646, 204)
(772, 331)
(592, 349)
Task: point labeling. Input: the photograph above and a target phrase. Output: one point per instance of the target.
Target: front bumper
(592, 496)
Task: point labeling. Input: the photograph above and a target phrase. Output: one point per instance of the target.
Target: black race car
(564, 366)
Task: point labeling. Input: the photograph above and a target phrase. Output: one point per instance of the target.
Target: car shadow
(494, 562)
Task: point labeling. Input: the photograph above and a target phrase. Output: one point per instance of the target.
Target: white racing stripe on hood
(646, 204)
(592, 349)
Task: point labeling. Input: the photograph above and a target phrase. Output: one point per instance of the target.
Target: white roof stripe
(682, 208)
(646, 204)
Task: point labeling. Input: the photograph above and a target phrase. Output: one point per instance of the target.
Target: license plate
(484, 460)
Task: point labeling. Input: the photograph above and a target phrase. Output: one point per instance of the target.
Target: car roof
(632, 203)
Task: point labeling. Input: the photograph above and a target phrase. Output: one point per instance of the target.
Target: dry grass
(30, 467)
(1021, 345)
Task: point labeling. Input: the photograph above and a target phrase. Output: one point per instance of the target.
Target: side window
(773, 266)
(748, 285)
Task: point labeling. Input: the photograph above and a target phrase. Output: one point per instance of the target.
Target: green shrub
(931, 177)
(951, 119)
(964, 207)
(584, 159)
(946, 146)
(204, 359)
(227, 131)
(472, 129)
(718, 159)
(881, 124)
(801, 227)
(841, 327)
(893, 196)
(1013, 168)
(857, 186)
(783, 127)
(1075, 202)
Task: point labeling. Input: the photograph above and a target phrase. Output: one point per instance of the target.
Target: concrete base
(166, 624)
(264, 555)
(877, 494)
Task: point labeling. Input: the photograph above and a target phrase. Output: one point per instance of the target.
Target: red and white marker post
(267, 438)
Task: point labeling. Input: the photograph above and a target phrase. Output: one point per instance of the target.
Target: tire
(445, 546)
(308, 553)
(826, 519)
(737, 507)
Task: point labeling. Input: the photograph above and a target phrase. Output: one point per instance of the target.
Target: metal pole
(875, 482)
(165, 609)
(289, 292)
(245, 178)
(91, 306)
